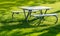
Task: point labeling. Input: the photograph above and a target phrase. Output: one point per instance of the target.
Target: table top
(35, 7)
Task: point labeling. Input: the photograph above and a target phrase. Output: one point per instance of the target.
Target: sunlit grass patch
(37, 33)
(58, 34)
(1, 24)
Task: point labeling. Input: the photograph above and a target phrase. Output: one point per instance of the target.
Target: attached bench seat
(41, 15)
(16, 12)
(37, 15)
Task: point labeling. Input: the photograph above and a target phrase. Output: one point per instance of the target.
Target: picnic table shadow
(20, 24)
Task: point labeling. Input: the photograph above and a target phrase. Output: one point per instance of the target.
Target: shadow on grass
(53, 31)
(58, 11)
(20, 24)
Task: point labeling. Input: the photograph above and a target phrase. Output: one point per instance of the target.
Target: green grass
(20, 28)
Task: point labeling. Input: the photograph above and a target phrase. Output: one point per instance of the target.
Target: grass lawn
(20, 28)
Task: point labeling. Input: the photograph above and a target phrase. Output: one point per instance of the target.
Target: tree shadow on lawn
(53, 31)
(58, 11)
(19, 24)
(9, 28)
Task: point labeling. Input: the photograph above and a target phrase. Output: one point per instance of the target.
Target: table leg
(41, 12)
(12, 15)
(24, 13)
(30, 11)
(45, 11)
(40, 18)
(29, 14)
(56, 19)
(26, 16)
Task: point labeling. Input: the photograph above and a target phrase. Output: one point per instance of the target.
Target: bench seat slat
(37, 15)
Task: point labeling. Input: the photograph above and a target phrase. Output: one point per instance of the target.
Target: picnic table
(30, 9)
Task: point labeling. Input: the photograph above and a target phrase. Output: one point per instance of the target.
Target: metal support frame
(13, 14)
(42, 18)
(56, 19)
(45, 11)
(29, 14)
